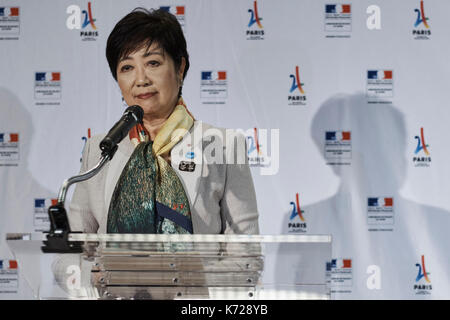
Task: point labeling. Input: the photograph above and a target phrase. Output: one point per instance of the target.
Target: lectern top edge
(176, 238)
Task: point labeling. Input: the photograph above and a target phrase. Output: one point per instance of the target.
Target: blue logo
(296, 211)
(421, 18)
(296, 84)
(254, 17)
(421, 144)
(88, 18)
(190, 155)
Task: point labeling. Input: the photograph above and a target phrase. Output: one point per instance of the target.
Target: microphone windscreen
(137, 111)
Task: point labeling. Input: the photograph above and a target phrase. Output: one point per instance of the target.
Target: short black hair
(142, 27)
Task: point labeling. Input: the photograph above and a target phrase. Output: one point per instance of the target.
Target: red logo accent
(347, 263)
(180, 10)
(14, 12)
(388, 74)
(222, 75)
(346, 135)
(346, 8)
(14, 137)
(56, 76)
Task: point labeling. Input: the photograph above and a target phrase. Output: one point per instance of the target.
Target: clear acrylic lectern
(148, 266)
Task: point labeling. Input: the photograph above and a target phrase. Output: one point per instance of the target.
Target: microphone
(132, 116)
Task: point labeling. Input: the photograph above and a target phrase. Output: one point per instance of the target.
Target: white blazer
(221, 195)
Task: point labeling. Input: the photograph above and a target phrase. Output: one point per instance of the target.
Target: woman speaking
(145, 188)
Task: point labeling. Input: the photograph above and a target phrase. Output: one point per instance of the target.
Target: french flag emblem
(9, 11)
(338, 8)
(9, 137)
(48, 76)
(175, 10)
(341, 263)
(379, 74)
(214, 75)
(338, 136)
(380, 202)
(44, 203)
(8, 265)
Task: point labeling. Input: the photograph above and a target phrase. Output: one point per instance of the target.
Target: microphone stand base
(59, 243)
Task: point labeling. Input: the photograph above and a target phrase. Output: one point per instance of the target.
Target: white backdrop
(369, 87)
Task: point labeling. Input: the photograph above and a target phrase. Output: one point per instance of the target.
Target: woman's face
(147, 77)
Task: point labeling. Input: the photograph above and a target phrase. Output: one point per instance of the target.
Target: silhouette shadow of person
(378, 236)
(21, 195)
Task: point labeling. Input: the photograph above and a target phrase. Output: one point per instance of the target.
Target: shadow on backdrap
(395, 237)
(18, 189)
